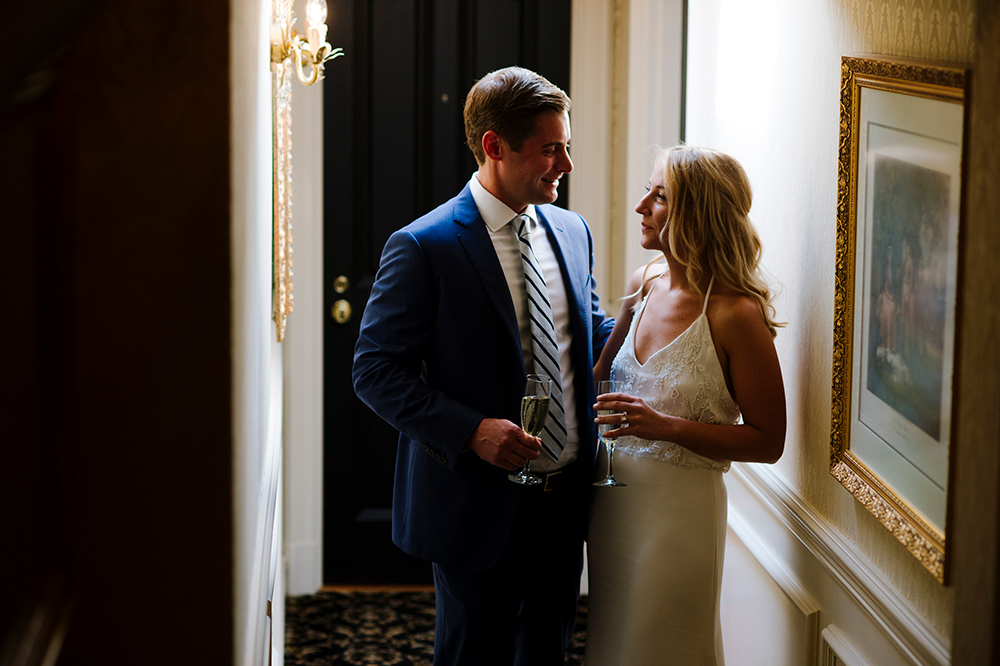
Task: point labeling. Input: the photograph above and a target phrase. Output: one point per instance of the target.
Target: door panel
(394, 148)
(394, 120)
(498, 17)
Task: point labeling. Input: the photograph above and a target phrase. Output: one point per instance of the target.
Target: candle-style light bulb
(315, 13)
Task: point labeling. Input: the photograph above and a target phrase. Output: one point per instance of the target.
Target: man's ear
(492, 145)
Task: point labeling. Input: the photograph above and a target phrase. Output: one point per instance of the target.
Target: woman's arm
(755, 377)
(602, 369)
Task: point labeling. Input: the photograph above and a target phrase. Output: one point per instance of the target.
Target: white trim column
(626, 84)
(303, 348)
(592, 89)
(655, 76)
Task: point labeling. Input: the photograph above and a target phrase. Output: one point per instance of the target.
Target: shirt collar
(495, 213)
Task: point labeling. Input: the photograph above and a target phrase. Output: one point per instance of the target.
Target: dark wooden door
(394, 148)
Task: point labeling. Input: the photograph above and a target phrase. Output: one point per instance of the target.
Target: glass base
(609, 483)
(525, 478)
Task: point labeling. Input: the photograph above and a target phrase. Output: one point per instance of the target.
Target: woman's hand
(633, 417)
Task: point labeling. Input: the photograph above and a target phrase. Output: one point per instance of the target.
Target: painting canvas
(907, 291)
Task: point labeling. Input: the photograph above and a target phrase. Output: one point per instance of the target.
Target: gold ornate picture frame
(896, 289)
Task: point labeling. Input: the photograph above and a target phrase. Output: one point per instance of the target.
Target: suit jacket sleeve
(396, 331)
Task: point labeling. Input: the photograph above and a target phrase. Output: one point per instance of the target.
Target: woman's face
(653, 209)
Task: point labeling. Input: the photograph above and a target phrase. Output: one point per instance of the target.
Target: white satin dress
(655, 547)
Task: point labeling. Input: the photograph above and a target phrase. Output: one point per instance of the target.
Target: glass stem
(610, 446)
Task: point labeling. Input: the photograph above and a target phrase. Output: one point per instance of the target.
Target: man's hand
(501, 443)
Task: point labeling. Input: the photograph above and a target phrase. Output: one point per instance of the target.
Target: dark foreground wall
(116, 447)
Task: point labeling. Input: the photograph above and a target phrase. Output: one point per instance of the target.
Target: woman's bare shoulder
(642, 276)
(730, 311)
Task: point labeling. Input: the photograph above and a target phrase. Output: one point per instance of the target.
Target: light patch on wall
(747, 51)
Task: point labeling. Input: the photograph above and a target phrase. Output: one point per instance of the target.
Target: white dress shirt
(497, 216)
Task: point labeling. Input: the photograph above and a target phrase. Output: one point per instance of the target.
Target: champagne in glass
(534, 410)
(609, 386)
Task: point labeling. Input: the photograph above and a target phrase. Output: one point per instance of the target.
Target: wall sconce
(288, 47)
(313, 51)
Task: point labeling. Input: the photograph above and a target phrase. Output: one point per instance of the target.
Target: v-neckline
(642, 364)
(642, 311)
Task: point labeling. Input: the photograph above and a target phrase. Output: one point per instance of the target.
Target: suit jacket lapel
(569, 262)
(475, 239)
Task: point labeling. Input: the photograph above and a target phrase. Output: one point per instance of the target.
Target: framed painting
(895, 305)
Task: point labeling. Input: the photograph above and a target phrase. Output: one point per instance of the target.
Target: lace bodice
(683, 379)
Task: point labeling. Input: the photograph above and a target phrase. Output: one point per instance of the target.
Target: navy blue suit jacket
(439, 350)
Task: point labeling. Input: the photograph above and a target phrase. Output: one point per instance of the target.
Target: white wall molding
(257, 388)
(905, 628)
(768, 616)
(782, 575)
(837, 649)
(303, 349)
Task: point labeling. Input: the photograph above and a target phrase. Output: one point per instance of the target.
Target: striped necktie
(545, 349)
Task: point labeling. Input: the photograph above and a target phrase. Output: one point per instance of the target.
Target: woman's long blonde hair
(708, 229)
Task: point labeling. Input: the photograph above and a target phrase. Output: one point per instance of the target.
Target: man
(467, 301)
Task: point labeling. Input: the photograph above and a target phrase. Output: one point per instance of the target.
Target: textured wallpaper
(932, 29)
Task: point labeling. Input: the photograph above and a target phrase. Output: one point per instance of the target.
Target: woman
(694, 347)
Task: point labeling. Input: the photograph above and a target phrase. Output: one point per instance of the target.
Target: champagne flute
(534, 410)
(609, 386)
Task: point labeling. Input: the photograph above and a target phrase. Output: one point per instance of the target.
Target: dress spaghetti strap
(708, 292)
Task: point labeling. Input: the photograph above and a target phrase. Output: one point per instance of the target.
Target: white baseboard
(786, 579)
(305, 568)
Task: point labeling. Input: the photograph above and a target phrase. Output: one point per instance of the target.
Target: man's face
(531, 175)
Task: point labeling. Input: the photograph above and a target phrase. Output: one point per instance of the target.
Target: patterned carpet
(384, 628)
